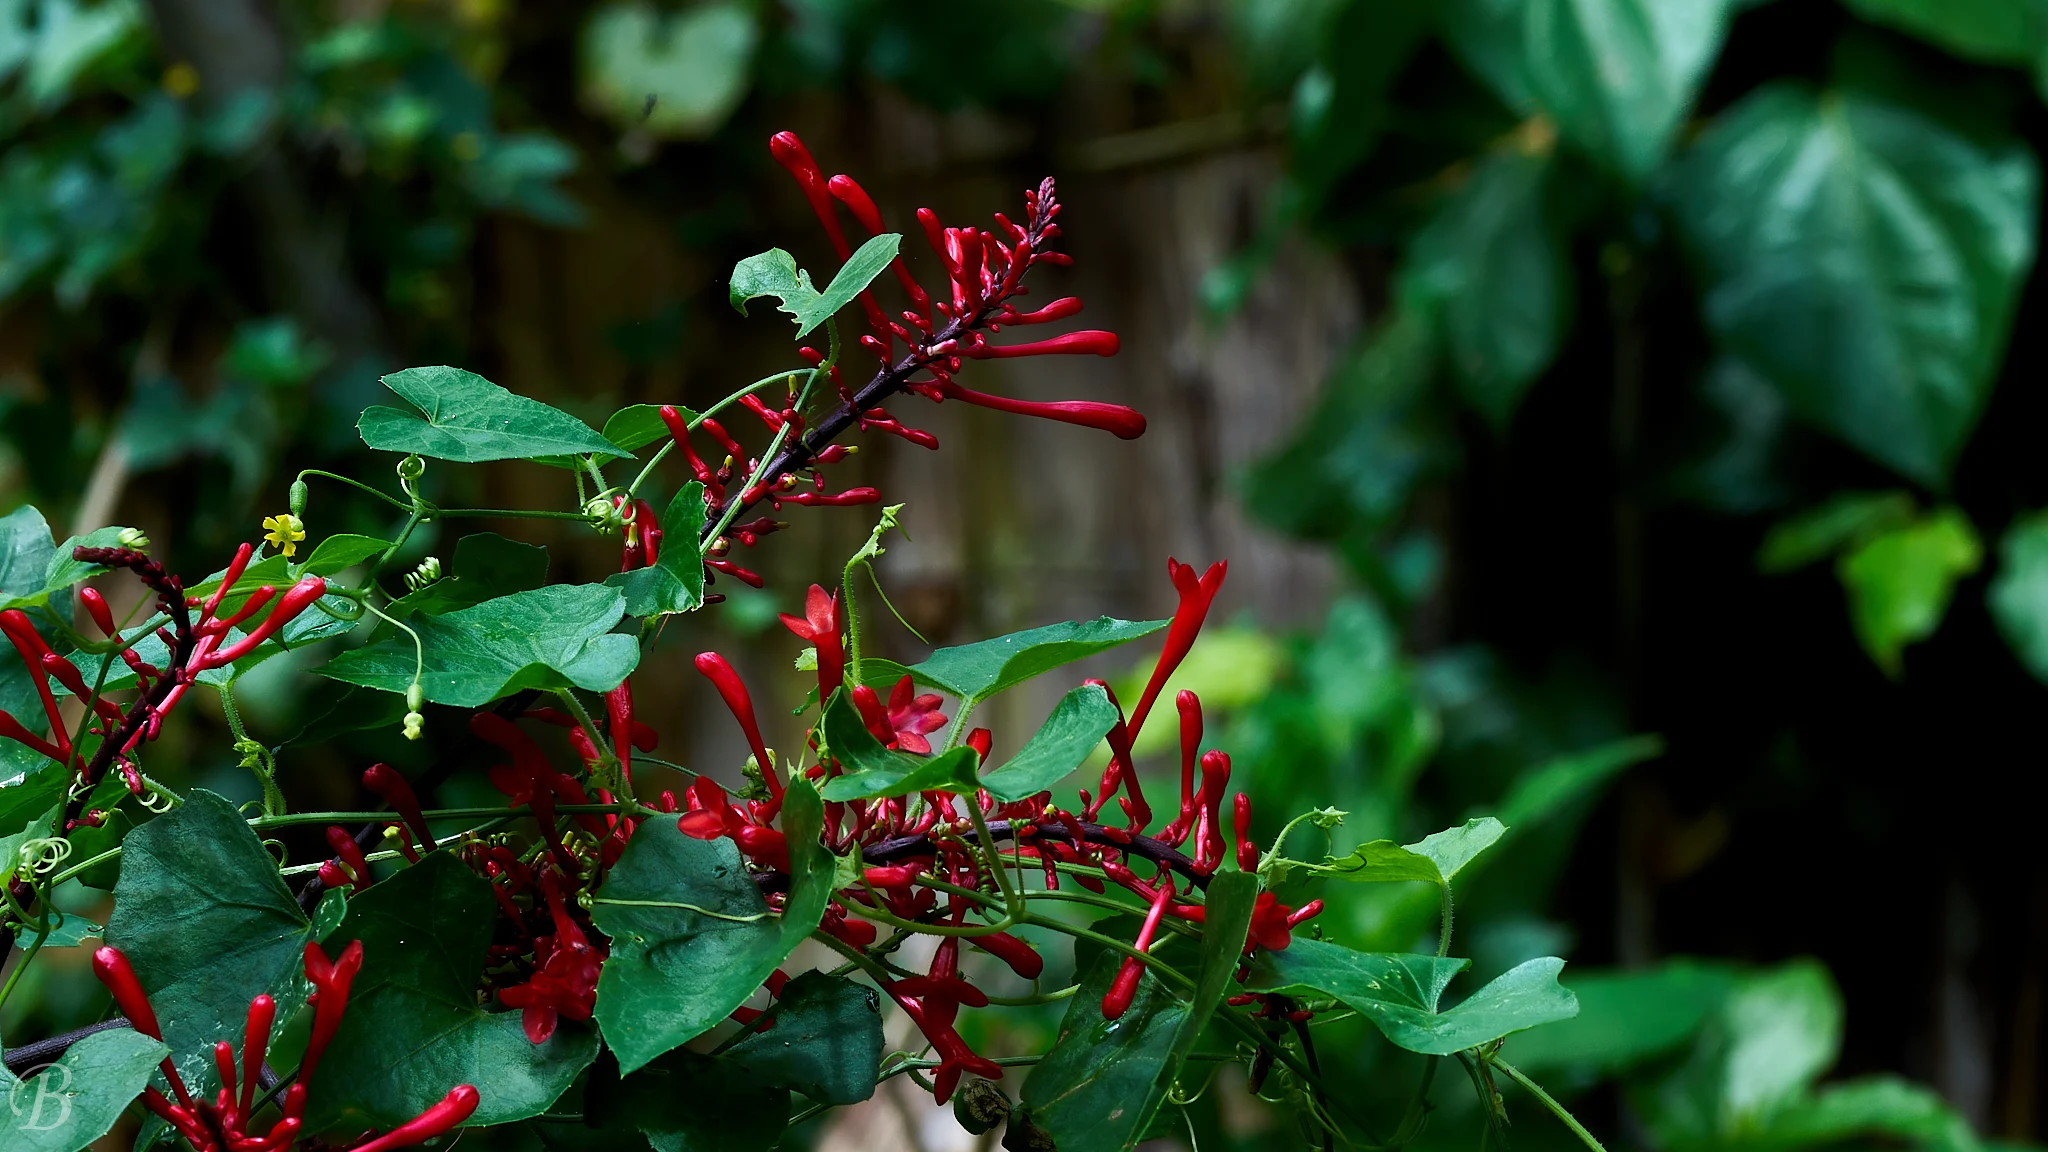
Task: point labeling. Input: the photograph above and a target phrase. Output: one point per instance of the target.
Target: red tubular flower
(1116, 419)
(454, 1108)
(1122, 768)
(626, 733)
(1195, 597)
(66, 673)
(981, 740)
(1190, 708)
(1118, 999)
(351, 854)
(114, 971)
(565, 984)
(1057, 310)
(295, 600)
(1209, 810)
(96, 607)
(1022, 958)
(820, 625)
(386, 782)
(1089, 342)
(331, 981)
(911, 717)
(29, 643)
(255, 1045)
(1241, 823)
(734, 692)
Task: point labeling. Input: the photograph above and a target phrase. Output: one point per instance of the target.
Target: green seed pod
(415, 697)
(298, 499)
(979, 1106)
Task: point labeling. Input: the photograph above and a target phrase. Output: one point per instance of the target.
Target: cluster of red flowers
(194, 646)
(227, 1123)
(901, 837)
(984, 274)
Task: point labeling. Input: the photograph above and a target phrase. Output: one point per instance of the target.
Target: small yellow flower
(284, 532)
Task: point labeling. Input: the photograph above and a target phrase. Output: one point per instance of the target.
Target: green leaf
(1863, 258)
(774, 273)
(1552, 786)
(637, 425)
(974, 672)
(1846, 520)
(465, 418)
(1619, 76)
(1996, 31)
(675, 581)
(691, 936)
(1077, 725)
(26, 550)
(2019, 593)
(1626, 1018)
(70, 1104)
(1879, 1106)
(1453, 848)
(1899, 583)
(1399, 993)
(1493, 263)
(875, 771)
(549, 638)
(675, 75)
(339, 552)
(1760, 1052)
(62, 570)
(1487, 36)
(1434, 859)
(486, 566)
(414, 1028)
(682, 1102)
(1100, 1085)
(825, 1042)
(208, 924)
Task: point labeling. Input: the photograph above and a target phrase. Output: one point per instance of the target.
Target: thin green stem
(291, 818)
(356, 484)
(1556, 1109)
(1443, 937)
(80, 869)
(763, 382)
(507, 513)
(28, 954)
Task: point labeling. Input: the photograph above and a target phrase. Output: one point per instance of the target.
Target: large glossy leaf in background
(203, 915)
(2019, 592)
(463, 417)
(1996, 31)
(73, 1102)
(675, 581)
(549, 638)
(414, 1027)
(692, 938)
(1098, 1087)
(676, 74)
(1865, 259)
(1400, 993)
(1617, 77)
(1763, 1049)
(1493, 262)
(1626, 1018)
(825, 1040)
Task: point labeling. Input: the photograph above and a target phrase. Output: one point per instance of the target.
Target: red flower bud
(96, 607)
(1116, 419)
(733, 691)
(438, 1120)
(1087, 342)
(386, 782)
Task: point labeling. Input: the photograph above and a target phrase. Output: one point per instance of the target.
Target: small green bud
(133, 538)
(415, 724)
(298, 498)
(415, 697)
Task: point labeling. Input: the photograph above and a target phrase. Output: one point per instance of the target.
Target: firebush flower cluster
(886, 817)
(229, 1122)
